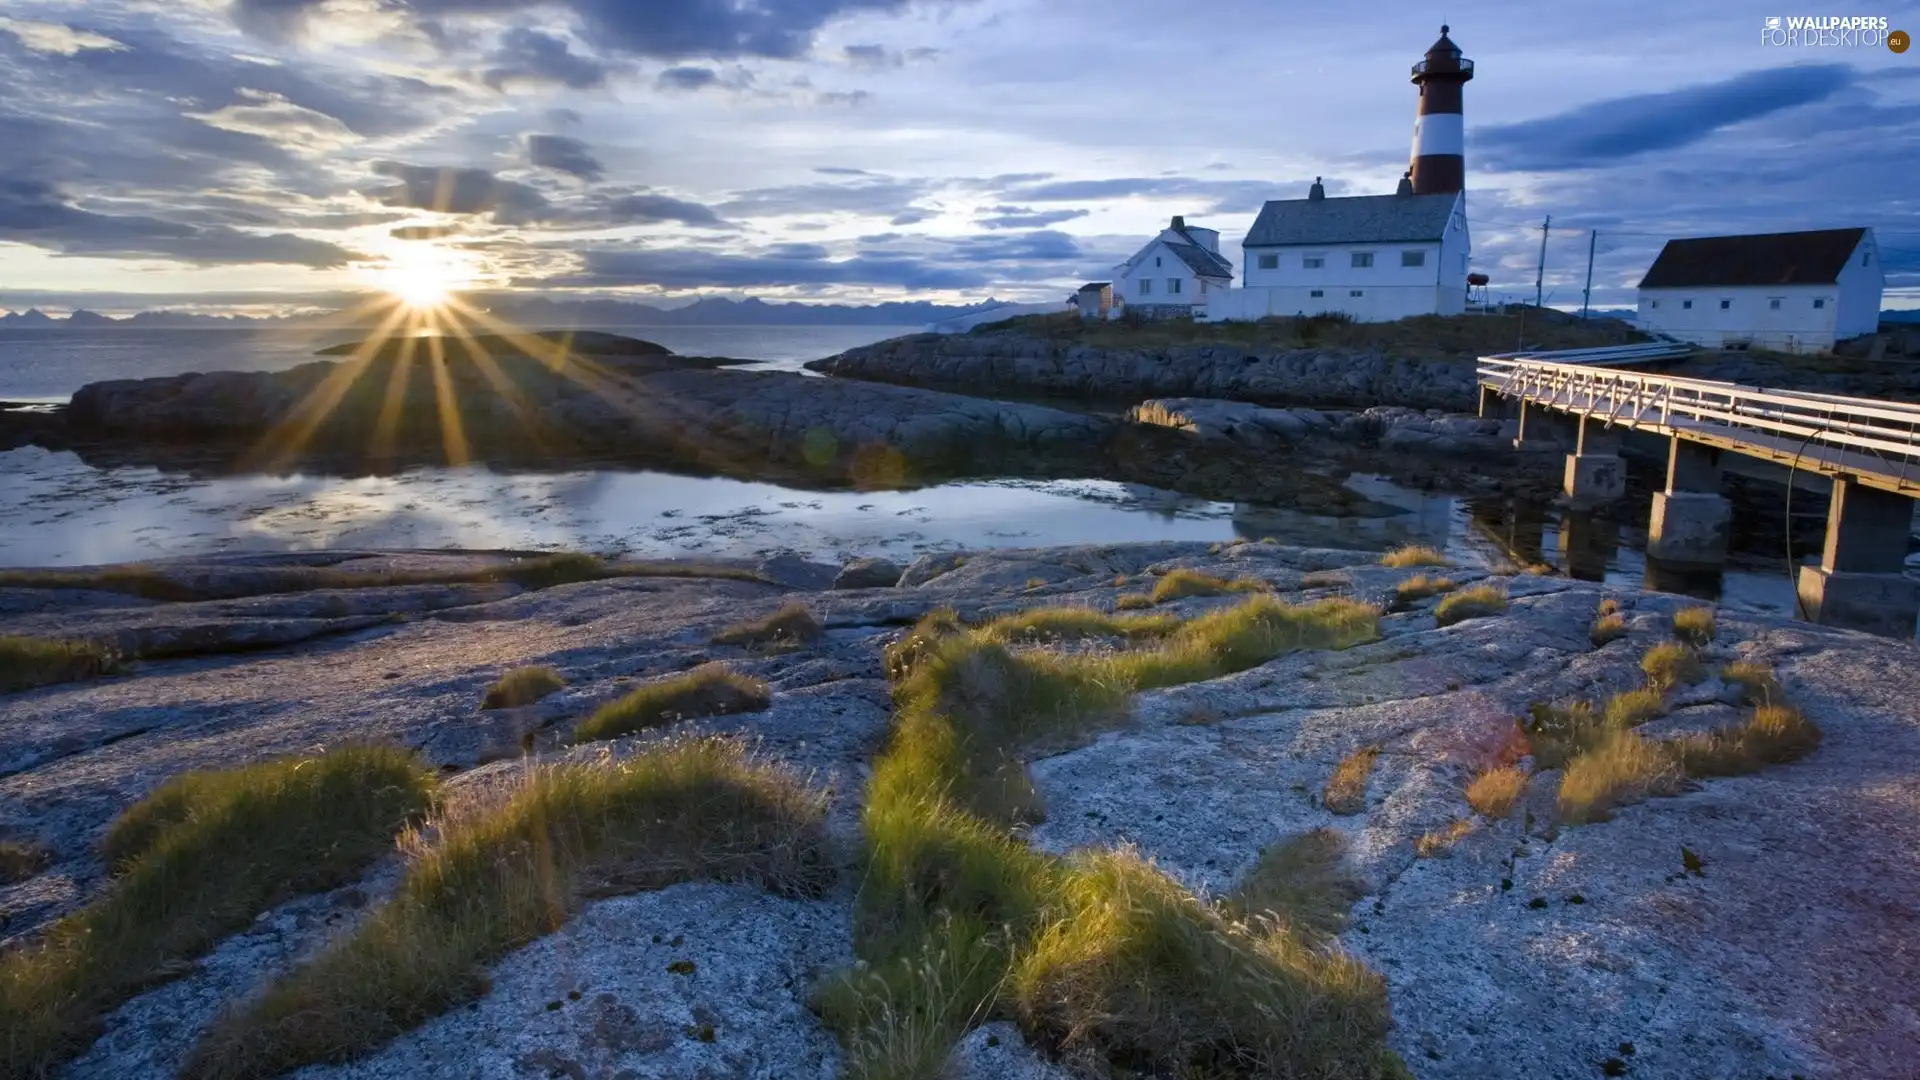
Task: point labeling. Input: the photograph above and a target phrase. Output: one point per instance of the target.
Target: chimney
(1406, 183)
(1439, 137)
(1316, 191)
(1179, 223)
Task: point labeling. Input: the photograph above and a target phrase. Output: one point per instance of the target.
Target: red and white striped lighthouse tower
(1439, 132)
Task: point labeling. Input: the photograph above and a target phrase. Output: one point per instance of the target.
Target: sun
(422, 276)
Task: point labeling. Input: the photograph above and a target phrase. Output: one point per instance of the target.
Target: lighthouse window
(1773, 303)
(1686, 305)
(1317, 293)
(1362, 259)
(1725, 305)
(1413, 258)
(1356, 292)
(1866, 258)
(1655, 305)
(1312, 262)
(1820, 302)
(1269, 262)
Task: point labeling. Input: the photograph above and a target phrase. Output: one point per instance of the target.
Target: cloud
(272, 117)
(529, 56)
(423, 232)
(913, 216)
(565, 154)
(1610, 131)
(687, 78)
(459, 191)
(1022, 217)
(682, 29)
(1218, 196)
(842, 97)
(274, 20)
(648, 207)
(866, 193)
(879, 56)
(798, 265)
(58, 39)
(34, 212)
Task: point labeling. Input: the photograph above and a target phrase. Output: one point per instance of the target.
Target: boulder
(927, 567)
(796, 572)
(868, 574)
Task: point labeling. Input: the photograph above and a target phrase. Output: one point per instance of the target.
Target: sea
(57, 510)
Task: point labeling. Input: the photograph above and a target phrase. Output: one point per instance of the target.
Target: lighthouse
(1439, 164)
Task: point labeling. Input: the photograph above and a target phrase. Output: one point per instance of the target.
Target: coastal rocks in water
(1745, 926)
(730, 421)
(1389, 427)
(868, 574)
(550, 344)
(796, 572)
(1014, 363)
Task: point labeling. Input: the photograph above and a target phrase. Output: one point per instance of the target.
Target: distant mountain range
(535, 312)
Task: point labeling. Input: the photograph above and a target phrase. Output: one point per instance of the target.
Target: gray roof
(1358, 219)
(1095, 286)
(1202, 262)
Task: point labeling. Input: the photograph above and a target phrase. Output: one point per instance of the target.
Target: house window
(1269, 262)
(1362, 259)
(1317, 293)
(1773, 303)
(1726, 305)
(1687, 305)
(1866, 258)
(1173, 284)
(1354, 292)
(1413, 258)
(1156, 260)
(1820, 302)
(1654, 304)
(1146, 286)
(1312, 262)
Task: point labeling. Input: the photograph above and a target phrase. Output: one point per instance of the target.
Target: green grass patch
(1694, 626)
(1303, 880)
(792, 626)
(1415, 555)
(1670, 664)
(1631, 708)
(1180, 584)
(196, 861)
(22, 859)
(522, 686)
(904, 652)
(27, 662)
(498, 877)
(1618, 769)
(1134, 602)
(1478, 602)
(958, 921)
(1774, 735)
(708, 690)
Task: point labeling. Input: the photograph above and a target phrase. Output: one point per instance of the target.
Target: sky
(268, 154)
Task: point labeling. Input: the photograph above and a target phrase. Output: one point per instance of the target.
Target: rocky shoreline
(1742, 926)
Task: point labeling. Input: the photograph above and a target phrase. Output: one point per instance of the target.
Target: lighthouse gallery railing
(1876, 441)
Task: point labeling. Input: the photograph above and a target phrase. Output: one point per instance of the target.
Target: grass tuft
(1180, 584)
(197, 860)
(1475, 603)
(497, 877)
(1609, 606)
(901, 655)
(1245, 635)
(1303, 881)
(1773, 735)
(1694, 626)
(1134, 602)
(1670, 664)
(22, 859)
(1755, 680)
(1609, 626)
(1437, 843)
(1619, 769)
(708, 690)
(1137, 970)
(1070, 623)
(1631, 708)
(1347, 787)
(788, 628)
(27, 662)
(1493, 793)
(1414, 555)
(1421, 586)
(522, 686)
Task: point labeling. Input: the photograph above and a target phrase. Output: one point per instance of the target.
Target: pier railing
(1876, 441)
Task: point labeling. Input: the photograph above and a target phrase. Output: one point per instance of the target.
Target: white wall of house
(1790, 318)
(1157, 276)
(1371, 282)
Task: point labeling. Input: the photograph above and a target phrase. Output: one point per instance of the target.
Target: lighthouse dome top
(1443, 58)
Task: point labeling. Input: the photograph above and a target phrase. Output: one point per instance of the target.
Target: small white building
(1374, 257)
(1794, 292)
(1178, 271)
(1094, 300)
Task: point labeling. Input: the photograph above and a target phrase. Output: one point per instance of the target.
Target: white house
(1794, 292)
(1374, 257)
(1177, 272)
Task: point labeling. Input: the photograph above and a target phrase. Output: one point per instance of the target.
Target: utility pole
(1540, 272)
(1586, 298)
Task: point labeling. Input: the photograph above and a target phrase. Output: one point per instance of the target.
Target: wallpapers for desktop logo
(1845, 31)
